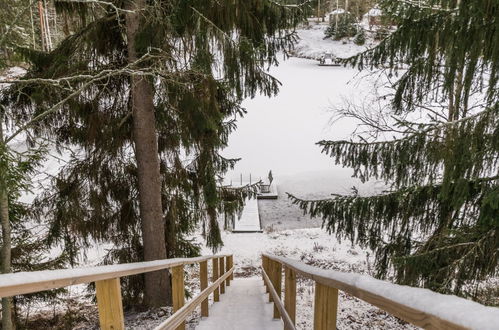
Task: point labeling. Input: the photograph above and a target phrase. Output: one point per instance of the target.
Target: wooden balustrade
(326, 297)
(222, 269)
(108, 290)
(215, 267)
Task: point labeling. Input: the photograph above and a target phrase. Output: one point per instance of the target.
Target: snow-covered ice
(280, 133)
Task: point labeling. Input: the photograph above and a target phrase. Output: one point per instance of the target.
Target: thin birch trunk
(32, 24)
(42, 25)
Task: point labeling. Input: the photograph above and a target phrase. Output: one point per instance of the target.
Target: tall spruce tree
(23, 239)
(438, 224)
(147, 92)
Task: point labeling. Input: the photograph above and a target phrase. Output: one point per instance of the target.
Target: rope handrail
(421, 307)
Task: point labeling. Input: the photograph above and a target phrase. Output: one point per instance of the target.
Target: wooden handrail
(179, 316)
(288, 322)
(108, 291)
(401, 301)
(28, 282)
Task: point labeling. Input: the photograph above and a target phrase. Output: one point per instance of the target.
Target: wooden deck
(250, 219)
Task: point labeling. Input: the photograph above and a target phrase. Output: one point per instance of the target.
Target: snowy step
(250, 218)
(244, 306)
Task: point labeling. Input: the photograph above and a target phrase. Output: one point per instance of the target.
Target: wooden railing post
(109, 304)
(203, 277)
(290, 293)
(222, 271)
(270, 273)
(228, 266)
(178, 290)
(325, 307)
(265, 267)
(215, 275)
(277, 283)
(231, 264)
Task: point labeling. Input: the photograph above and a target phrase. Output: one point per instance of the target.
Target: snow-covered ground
(315, 247)
(313, 44)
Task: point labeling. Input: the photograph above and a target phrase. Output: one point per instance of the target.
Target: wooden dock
(249, 222)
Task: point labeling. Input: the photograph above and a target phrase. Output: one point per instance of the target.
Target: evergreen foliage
(15, 29)
(342, 26)
(202, 57)
(360, 37)
(437, 225)
(29, 246)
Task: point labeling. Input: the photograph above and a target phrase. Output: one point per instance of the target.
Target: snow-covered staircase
(243, 307)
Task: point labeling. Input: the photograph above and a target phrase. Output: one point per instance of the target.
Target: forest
(119, 123)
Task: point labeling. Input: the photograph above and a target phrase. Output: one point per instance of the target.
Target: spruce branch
(430, 127)
(117, 9)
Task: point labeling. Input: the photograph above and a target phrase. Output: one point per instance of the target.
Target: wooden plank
(290, 292)
(203, 277)
(249, 221)
(270, 272)
(17, 283)
(215, 274)
(179, 316)
(419, 318)
(227, 267)
(288, 323)
(178, 291)
(231, 259)
(221, 262)
(277, 286)
(325, 307)
(109, 304)
(265, 266)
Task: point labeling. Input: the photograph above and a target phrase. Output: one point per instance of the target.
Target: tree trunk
(42, 24)
(157, 284)
(7, 244)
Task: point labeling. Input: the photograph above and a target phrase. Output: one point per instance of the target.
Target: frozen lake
(280, 133)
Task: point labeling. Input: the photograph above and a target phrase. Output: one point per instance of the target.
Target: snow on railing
(108, 290)
(421, 307)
